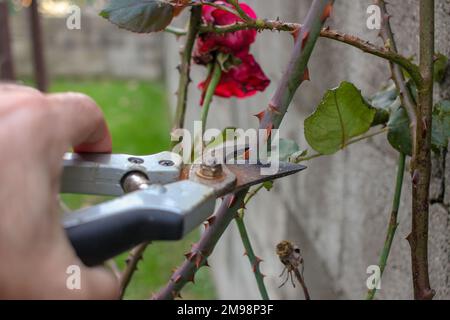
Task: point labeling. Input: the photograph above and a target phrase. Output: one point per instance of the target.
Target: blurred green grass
(138, 118)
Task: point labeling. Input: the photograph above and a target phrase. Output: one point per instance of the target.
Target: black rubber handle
(97, 241)
(166, 212)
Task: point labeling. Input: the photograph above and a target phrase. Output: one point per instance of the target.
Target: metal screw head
(210, 169)
(166, 163)
(135, 160)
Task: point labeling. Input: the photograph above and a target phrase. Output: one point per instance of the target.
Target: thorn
(306, 75)
(198, 260)
(174, 270)
(178, 279)
(263, 275)
(255, 265)
(211, 220)
(327, 12)
(189, 256)
(408, 237)
(269, 128)
(206, 264)
(245, 253)
(176, 295)
(260, 115)
(232, 201)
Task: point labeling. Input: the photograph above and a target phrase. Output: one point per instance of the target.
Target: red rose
(243, 80)
(231, 42)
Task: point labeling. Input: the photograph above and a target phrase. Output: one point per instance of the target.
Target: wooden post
(40, 71)
(6, 59)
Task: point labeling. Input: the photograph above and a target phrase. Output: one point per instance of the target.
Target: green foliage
(141, 16)
(268, 185)
(440, 67)
(399, 135)
(386, 99)
(341, 115)
(441, 125)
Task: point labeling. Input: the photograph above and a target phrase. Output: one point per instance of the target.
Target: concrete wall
(98, 49)
(337, 211)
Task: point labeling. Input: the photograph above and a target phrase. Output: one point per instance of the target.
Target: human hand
(35, 131)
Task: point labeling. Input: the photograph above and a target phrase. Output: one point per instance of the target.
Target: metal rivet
(166, 163)
(135, 160)
(210, 169)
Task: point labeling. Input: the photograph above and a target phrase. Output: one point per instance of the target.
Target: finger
(100, 283)
(13, 97)
(80, 122)
(9, 87)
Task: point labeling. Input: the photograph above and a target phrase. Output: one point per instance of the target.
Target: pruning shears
(158, 198)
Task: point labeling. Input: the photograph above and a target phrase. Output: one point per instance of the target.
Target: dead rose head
(243, 77)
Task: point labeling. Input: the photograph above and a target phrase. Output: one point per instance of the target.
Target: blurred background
(336, 211)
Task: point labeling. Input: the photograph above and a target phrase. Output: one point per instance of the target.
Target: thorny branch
(132, 261)
(421, 165)
(249, 252)
(197, 256)
(185, 67)
(277, 25)
(393, 222)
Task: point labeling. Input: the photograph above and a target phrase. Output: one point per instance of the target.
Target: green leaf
(441, 125)
(268, 185)
(399, 135)
(385, 101)
(387, 98)
(440, 67)
(341, 115)
(287, 148)
(141, 16)
(296, 156)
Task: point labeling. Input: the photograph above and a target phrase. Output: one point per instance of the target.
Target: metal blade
(248, 175)
(240, 176)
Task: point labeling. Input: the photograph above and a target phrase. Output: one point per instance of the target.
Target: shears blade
(236, 177)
